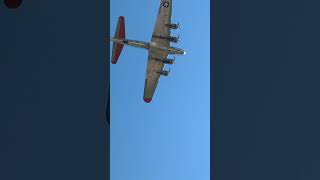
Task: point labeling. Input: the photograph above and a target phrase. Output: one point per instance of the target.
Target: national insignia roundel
(165, 4)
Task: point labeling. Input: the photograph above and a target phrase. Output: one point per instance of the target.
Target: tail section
(120, 34)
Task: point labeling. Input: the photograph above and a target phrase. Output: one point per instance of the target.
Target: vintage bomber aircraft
(158, 49)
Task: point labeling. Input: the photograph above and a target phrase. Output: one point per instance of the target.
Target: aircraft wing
(153, 67)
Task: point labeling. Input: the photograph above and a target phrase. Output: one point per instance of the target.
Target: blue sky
(167, 139)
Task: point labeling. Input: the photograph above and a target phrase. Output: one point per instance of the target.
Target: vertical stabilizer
(120, 34)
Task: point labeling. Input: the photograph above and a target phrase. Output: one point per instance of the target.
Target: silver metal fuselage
(149, 46)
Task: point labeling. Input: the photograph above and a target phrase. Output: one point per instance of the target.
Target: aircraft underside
(158, 49)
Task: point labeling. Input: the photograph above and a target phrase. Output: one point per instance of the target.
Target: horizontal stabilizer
(120, 34)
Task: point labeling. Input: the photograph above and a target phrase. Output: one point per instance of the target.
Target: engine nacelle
(173, 39)
(166, 61)
(173, 26)
(164, 73)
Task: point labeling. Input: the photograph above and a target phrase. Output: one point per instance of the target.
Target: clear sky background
(167, 139)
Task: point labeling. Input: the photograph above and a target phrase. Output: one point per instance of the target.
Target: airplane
(158, 49)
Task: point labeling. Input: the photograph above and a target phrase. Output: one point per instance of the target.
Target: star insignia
(165, 4)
